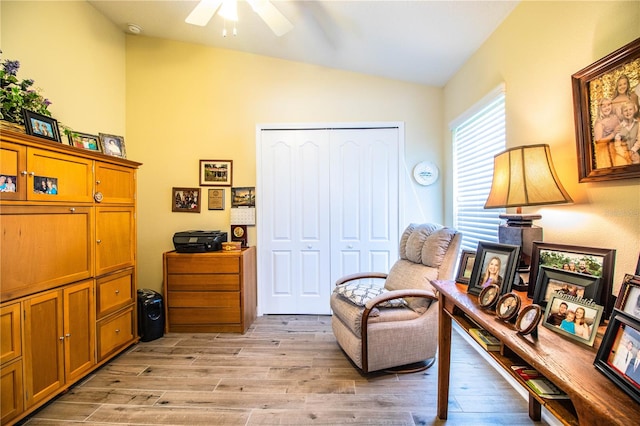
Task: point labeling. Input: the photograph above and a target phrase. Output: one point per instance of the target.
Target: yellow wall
(535, 52)
(188, 102)
(75, 55)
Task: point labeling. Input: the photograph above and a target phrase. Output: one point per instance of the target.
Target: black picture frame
(186, 200)
(465, 268)
(506, 254)
(553, 254)
(592, 313)
(638, 266)
(551, 280)
(41, 126)
(85, 141)
(628, 299)
(621, 329)
(599, 158)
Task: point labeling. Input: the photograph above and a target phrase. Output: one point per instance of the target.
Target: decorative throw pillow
(360, 293)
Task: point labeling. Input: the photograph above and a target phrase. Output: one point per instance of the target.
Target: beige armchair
(383, 327)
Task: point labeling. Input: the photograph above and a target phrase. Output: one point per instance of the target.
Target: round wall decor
(425, 173)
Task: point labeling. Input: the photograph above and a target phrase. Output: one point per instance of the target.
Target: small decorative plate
(425, 173)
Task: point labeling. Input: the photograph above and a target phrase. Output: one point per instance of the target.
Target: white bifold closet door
(327, 207)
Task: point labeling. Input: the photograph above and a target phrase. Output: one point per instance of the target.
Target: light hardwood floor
(285, 370)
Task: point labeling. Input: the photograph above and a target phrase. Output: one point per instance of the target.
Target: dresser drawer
(114, 292)
(115, 332)
(200, 299)
(206, 282)
(204, 316)
(203, 264)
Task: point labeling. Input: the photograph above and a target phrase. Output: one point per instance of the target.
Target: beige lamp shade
(525, 176)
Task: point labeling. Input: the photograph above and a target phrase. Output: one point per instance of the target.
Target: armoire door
(328, 207)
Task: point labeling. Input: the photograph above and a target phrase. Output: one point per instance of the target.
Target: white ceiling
(419, 41)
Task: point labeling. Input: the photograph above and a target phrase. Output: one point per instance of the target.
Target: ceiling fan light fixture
(229, 10)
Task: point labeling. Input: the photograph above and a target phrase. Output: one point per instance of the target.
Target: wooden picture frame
(113, 145)
(489, 255)
(84, 141)
(508, 306)
(489, 296)
(216, 172)
(628, 299)
(551, 280)
(603, 153)
(528, 319)
(465, 267)
(185, 200)
(41, 126)
(598, 261)
(622, 336)
(216, 199)
(582, 329)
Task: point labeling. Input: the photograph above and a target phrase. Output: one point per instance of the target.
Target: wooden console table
(594, 399)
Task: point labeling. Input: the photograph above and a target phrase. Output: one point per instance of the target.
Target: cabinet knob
(117, 330)
(98, 241)
(97, 182)
(24, 173)
(67, 335)
(32, 173)
(72, 209)
(117, 291)
(61, 338)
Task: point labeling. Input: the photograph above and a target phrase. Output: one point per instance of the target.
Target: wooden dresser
(68, 268)
(210, 292)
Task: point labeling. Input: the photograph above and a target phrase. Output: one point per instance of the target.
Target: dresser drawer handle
(117, 330)
(117, 291)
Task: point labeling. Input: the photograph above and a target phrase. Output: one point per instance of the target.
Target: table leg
(444, 359)
(535, 409)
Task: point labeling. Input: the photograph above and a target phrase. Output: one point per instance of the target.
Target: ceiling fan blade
(203, 12)
(278, 23)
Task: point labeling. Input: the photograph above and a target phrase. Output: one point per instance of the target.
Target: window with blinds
(478, 135)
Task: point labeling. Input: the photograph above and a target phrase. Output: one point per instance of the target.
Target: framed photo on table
(494, 264)
(628, 300)
(585, 260)
(581, 317)
(465, 268)
(615, 358)
(551, 280)
(605, 94)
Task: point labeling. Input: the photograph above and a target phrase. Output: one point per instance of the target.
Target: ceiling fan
(205, 10)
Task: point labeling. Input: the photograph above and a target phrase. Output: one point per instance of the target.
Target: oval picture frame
(508, 306)
(489, 295)
(528, 319)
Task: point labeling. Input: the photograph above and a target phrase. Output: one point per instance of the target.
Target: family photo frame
(605, 101)
(578, 318)
(628, 300)
(84, 141)
(41, 126)
(216, 172)
(597, 261)
(185, 200)
(617, 357)
(465, 268)
(494, 263)
(551, 280)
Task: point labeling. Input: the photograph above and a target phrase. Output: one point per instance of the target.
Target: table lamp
(524, 176)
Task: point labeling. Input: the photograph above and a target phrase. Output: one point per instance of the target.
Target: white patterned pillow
(360, 293)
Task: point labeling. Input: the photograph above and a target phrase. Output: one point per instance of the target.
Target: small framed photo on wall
(216, 172)
(185, 200)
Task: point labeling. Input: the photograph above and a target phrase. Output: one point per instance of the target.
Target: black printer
(198, 241)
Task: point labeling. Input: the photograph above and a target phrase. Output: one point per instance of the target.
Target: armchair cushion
(360, 293)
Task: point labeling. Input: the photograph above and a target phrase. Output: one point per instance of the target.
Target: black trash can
(150, 315)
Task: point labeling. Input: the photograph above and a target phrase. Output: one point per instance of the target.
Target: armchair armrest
(361, 275)
(397, 294)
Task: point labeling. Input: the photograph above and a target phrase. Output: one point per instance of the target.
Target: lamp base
(520, 220)
(519, 231)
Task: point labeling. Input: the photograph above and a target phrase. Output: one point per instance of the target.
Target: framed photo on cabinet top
(41, 126)
(113, 145)
(84, 141)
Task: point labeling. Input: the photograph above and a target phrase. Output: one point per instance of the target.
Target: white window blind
(477, 137)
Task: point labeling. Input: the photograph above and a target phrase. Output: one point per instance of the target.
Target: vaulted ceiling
(419, 41)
